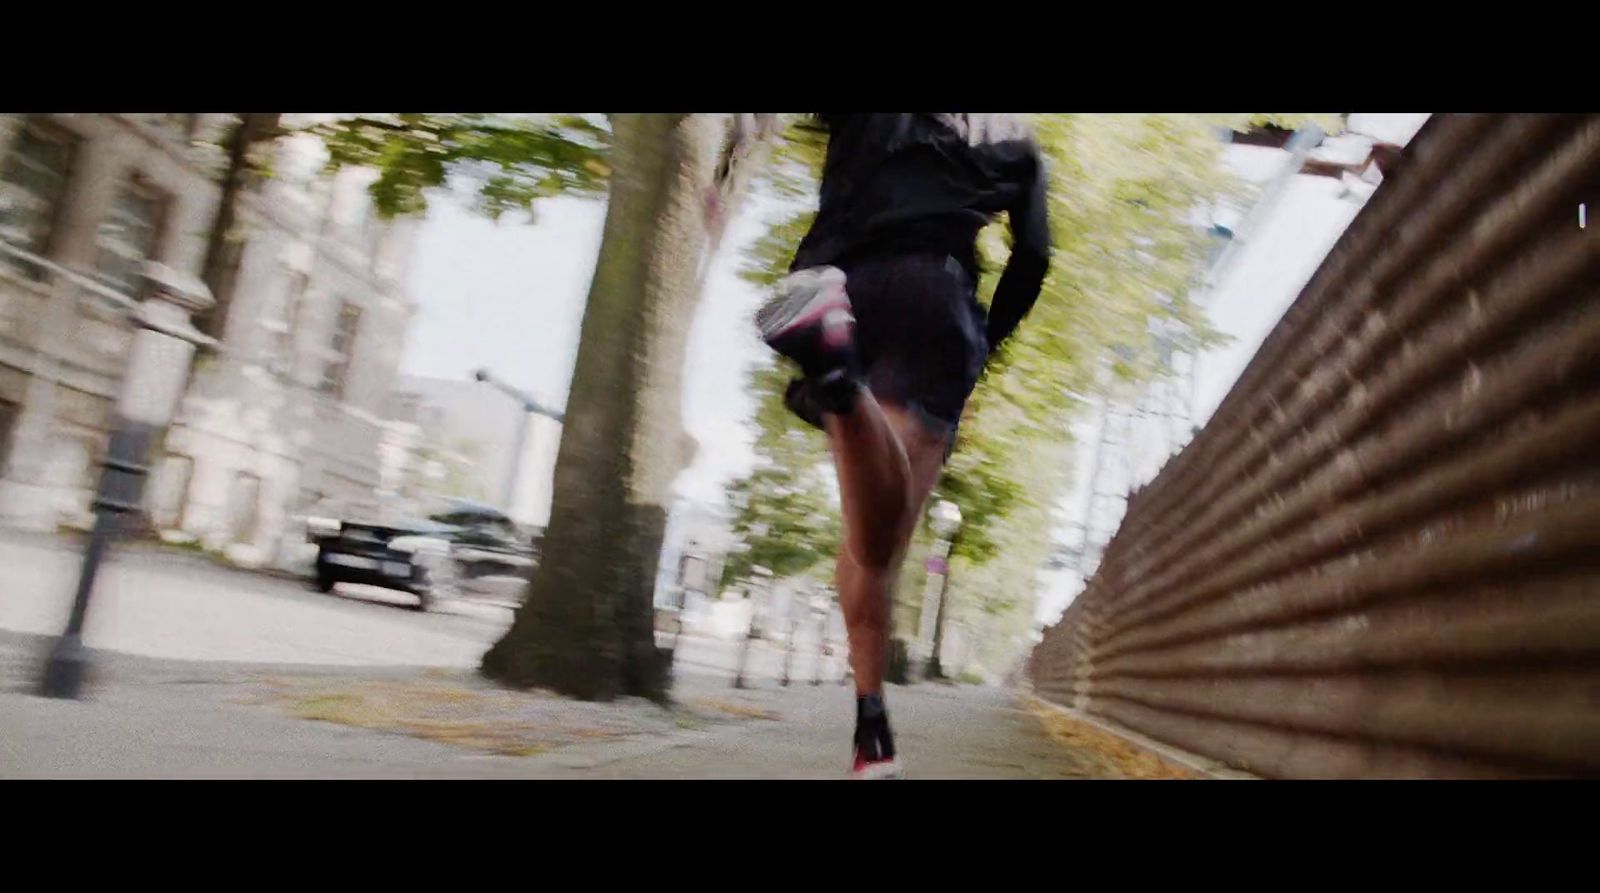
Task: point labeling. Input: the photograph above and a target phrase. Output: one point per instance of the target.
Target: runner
(880, 313)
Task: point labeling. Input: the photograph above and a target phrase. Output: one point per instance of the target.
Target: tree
(513, 160)
(245, 142)
(586, 627)
(586, 624)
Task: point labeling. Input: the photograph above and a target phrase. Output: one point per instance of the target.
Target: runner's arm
(1030, 256)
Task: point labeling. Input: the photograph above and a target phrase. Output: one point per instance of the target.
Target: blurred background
(395, 409)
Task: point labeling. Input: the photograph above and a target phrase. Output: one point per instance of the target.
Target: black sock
(873, 738)
(836, 391)
(809, 398)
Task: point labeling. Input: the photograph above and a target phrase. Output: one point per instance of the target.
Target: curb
(1204, 767)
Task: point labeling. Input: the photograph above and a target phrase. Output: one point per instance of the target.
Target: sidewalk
(150, 718)
(166, 604)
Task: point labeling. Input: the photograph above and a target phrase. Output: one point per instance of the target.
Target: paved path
(159, 604)
(205, 671)
(170, 719)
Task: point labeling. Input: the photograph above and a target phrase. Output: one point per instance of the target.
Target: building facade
(84, 199)
(286, 413)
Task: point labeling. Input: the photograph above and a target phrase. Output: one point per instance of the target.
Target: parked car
(485, 542)
(428, 557)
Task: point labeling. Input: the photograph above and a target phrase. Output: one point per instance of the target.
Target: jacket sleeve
(1024, 274)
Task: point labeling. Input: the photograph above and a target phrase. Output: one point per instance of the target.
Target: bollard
(844, 671)
(788, 651)
(822, 649)
(744, 653)
(744, 657)
(760, 590)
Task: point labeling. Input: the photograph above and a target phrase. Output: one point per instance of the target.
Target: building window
(129, 234)
(342, 348)
(289, 338)
(369, 230)
(244, 510)
(32, 184)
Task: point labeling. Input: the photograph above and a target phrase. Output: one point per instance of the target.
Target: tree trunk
(586, 627)
(223, 244)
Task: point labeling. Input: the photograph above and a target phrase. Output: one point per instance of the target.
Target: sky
(509, 296)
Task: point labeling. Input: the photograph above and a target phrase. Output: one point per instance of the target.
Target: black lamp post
(158, 367)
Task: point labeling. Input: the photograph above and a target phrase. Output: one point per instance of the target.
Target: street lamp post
(946, 518)
(791, 622)
(158, 367)
(530, 408)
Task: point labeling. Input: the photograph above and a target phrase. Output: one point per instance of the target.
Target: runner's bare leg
(888, 462)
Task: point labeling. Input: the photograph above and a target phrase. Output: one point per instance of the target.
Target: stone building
(83, 200)
(286, 413)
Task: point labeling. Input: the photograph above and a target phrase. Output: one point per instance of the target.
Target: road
(168, 604)
(157, 603)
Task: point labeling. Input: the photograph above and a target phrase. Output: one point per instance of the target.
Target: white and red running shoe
(875, 757)
(809, 321)
(873, 770)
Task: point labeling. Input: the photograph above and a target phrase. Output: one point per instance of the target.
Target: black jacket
(894, 183)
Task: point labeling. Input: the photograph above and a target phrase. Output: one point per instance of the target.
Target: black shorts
(919, 333)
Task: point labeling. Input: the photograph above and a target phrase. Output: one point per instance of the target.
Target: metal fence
(1381, 557)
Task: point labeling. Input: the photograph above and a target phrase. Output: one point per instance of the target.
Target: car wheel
(443, 582)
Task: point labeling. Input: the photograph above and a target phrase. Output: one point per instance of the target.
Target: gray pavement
(147, 718)
(202, 671)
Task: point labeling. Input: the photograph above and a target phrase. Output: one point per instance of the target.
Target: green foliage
(785, 514)
(784, 510)
(514, 160)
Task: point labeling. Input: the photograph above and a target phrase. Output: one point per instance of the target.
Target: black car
(486, 543)
(428, 558)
